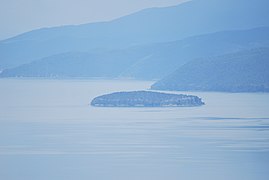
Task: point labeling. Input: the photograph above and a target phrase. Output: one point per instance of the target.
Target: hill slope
(164, 58)
(147, 26)
(245, 71)
(152, 61)
(75, 64)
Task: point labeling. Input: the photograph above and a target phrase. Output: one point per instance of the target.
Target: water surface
(48, 131)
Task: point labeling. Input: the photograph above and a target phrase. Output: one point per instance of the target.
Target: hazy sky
(17, 16)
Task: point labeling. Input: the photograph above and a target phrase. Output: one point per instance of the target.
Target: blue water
(48, 131)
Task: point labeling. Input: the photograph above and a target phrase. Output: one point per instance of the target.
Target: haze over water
(49, 131)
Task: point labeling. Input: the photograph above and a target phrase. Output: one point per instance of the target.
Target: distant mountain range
(245, 71)
(152, 61)
(229, 37)
(145, 27)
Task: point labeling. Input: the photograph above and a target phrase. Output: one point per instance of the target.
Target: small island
(146, 99)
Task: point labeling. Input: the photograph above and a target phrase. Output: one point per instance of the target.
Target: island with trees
(146, 99)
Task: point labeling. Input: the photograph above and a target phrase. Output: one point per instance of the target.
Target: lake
(48, 131)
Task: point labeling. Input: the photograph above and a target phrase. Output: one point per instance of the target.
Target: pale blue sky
(17, 16)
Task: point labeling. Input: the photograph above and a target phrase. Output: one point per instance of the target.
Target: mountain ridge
(144, 27)
(245, 71)
(152, 61)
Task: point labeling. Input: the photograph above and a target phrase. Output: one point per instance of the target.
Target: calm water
(48, 131)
